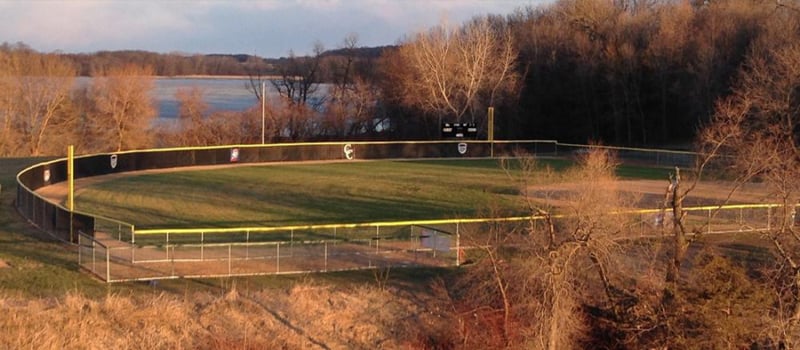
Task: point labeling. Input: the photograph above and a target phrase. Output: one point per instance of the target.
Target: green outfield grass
(301, 194)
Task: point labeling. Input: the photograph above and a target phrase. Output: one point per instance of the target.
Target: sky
(267, 28)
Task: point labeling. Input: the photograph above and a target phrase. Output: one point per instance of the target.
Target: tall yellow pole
(263, 108)
(71, 185)
(491, 131)
(71, 177)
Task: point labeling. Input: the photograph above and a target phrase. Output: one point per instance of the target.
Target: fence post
(377, 238)
(326, 256)
(247, 246)
(133, 244)
(769, 218)
(80, 248)
(458, 246)
(202, 245)
(435, 235)
(94, 262)
(741, 218)
(230, 260)
(108, 265)
(166, 245)
(278, 258)
(415, 242)
(709, 221)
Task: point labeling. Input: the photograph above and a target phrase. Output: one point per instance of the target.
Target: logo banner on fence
(349, 152)
(462, 148)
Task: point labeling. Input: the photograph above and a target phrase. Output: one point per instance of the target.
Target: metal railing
(116, 261)
(214, 252)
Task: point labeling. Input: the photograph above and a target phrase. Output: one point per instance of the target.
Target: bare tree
(298, 86)
(666, 53)
(192, 112)
(458, 72)
(756, 129)
(536, 277)
(8, 137)
(123, 109)
(352, 101)
(34, 91)
(257, 76)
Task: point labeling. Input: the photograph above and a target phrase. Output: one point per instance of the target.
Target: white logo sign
(349, 152)
(46, 175)
(462, 148)
(234, 155)
(113, 161)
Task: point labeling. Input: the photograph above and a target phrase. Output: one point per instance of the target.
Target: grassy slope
(37, 266)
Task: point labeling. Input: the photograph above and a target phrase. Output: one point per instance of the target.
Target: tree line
(175, 64)
(633, 72)
(589, 280)
(619, 72)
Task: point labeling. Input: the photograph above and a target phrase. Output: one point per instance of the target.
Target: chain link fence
(189, 253)
(214, 254)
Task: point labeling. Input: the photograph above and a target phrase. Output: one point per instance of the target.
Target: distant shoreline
(205, 76)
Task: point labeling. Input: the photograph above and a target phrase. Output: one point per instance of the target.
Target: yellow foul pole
(71, 178)
(71, 185)
(491, 131)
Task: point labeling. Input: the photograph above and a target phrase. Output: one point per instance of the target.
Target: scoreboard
(459, 130)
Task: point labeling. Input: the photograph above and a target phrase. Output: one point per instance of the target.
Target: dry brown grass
(307, 316)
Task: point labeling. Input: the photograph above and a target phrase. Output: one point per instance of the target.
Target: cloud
(76, 24)
(263, 27)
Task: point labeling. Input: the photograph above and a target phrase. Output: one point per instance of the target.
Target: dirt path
(650, 193)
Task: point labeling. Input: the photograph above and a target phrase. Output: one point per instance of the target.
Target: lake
(221, 94)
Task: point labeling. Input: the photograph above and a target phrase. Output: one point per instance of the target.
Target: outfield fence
(632, 155)
(130, 253)
(55, 219)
